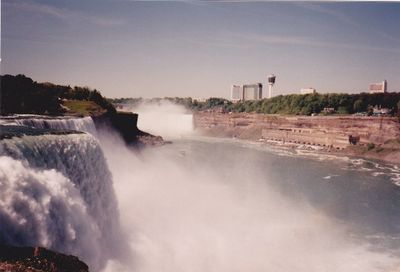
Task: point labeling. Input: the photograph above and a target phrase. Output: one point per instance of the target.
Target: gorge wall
(328, 131)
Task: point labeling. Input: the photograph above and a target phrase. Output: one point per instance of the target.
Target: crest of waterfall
(56, 191)
(84, 124)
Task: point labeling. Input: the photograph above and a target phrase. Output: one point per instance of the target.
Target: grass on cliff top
(82, 107)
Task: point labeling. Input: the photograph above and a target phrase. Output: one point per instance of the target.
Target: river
(203, 204)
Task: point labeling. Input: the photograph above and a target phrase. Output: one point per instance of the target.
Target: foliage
(20, 94)
(370, 146)
(398, 107)
(83, 107)
(293, 104)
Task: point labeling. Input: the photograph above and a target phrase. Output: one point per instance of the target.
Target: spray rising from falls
(164, 118)
(195, 212)
(56, 191)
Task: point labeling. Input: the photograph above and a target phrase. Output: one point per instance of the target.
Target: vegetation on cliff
(20, 94)
(293, 104)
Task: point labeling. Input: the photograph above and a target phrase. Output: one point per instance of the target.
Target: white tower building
(271, 82)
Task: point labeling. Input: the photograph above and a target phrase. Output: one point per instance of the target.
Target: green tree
(358, 105)
(398, 108)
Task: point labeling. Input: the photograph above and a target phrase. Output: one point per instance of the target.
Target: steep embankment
(125, 125)
(373, 137)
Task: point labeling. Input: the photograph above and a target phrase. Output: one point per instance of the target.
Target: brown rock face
(150, 140)
(38, 259)
(125, 124)
(335, 131)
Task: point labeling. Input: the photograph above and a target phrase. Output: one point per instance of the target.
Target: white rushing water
(84, 124)
(56, 191)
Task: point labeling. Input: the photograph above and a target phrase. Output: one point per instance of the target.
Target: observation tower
(271, 82)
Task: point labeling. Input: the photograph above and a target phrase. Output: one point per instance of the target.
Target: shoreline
(359, 152)
(368, 138)
(323, 151)
(394, 160)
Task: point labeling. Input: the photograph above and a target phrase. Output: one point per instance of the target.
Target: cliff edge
(38, 259)
(125, 124)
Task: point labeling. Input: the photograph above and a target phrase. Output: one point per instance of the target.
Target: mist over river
(207, 204)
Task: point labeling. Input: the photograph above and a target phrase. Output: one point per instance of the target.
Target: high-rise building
(252, 91)
(236, 93)
(378, 87)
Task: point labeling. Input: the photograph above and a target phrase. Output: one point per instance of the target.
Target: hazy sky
(150, 49)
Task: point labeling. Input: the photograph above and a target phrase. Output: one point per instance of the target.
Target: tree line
(20, 94)
(293, 104)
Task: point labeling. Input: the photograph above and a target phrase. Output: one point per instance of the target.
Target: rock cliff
(38, 259)
(357, 135)
(125, 124)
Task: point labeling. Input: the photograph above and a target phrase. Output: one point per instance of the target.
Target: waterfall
(84, 124)
(56, 191)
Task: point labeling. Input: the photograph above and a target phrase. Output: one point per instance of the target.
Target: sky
(160, 48)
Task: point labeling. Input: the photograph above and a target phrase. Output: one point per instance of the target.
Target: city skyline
(200, 49)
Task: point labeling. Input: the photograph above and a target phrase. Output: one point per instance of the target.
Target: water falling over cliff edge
(56, 192)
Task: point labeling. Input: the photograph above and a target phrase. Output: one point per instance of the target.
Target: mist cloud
(164, 118)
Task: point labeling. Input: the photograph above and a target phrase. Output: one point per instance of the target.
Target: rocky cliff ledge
(38, 259)
(125, 124)
(375, 137)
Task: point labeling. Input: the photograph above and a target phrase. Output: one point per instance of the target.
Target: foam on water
(56, 191)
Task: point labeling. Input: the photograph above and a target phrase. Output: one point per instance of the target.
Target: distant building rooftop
(378, 87)
(308, 91)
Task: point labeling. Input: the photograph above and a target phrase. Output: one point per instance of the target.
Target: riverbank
(367, 137)
(380, 153)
